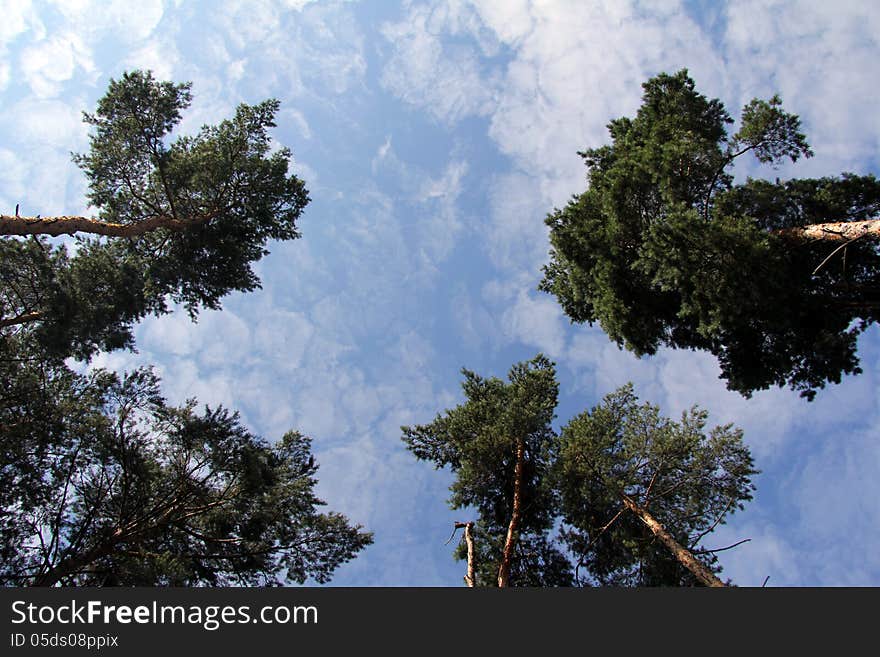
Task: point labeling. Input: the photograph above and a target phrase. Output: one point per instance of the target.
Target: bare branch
(729, 547)
(714, 524)
(834, 252)
(836, 231)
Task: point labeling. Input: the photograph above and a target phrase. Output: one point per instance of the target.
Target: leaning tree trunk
(836, 232)
(685, 558)
(64, 225)
(21, 319)
(515, 514)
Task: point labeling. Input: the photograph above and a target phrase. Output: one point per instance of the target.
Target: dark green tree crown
(184, 220)
(689, 479)
(113, 486)
(663, 249)
(477, 439)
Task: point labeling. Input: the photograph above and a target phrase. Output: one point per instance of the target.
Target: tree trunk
(470, 579)
(835, 232)
(63, 225)
(516, 512)
(76, 562)
(684, 557)
(21, 319)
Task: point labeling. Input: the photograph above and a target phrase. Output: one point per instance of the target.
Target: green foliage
(478, 441)
(687, 479)
(663, 249)
(104, 483)
(227, 190)
(86, 302)
(770, 133)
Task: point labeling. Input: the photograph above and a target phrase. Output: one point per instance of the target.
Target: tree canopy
(624, 456)
(104, 483)
(178, 220)
(101, 481)
(497, 444)
(776, 279)
(620, 496)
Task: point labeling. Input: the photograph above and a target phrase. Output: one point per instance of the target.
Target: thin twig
(745, 540)
(455, 528)
(835, 251)
(714, 525)
(604, 529)
(650, 486)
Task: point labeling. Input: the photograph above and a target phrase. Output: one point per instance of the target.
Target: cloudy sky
(434, 137)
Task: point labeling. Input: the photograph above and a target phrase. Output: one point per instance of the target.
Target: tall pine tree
(639, 492)
(180, 220)
(499, 444)
(776, 279)
(101, 481)
(621, 496)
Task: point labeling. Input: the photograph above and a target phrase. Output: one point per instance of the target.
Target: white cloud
(820, 530)
(516, 236)
(447, 81)
(769, 553)
(290, 115)
(536, 321)
(133, 21)
(39, 135)
(173, 334)
(440, 227)
(381, 153)
(157, 54)
(475, 326)
(47, 64)
(820, 57)
(47, 123)
(19, 16)
(573, 66)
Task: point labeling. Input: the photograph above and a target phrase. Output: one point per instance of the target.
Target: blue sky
(434, 137)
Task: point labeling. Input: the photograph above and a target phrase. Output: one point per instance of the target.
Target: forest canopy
(775, 279)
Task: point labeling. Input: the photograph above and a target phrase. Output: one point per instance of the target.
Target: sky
(434, 138)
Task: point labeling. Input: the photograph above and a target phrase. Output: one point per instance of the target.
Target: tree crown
(182, 220)
(664, 249)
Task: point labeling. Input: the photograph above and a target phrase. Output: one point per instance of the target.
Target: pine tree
(110, 485)
(101, 481)
(622, 496)
(498, 444)
(182, 220)
(776, 279)
(638, 492)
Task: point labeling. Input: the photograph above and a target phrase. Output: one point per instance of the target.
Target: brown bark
(835, 232)
(685, 558)
(20, 319)
(516, 512)
(65, 225)
(470, 579)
